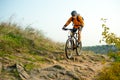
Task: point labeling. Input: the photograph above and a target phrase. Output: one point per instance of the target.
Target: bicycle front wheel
(79, 49)
(69, 48)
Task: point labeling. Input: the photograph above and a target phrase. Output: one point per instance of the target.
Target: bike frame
(72, 35)
(72, 44)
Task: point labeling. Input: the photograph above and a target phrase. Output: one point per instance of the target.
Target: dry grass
(112, 72)
(26, 46)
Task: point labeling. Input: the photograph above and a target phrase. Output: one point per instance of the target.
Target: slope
(26, 54)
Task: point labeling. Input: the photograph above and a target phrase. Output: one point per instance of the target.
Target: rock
(72, 74)
(56, 72)
(22, 73)
(89, 68)
(59, 67)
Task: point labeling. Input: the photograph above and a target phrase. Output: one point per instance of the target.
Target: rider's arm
(68, 22)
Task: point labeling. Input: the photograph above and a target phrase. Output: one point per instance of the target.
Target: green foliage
(16, 74)
(29, 66)
(115, 56)
(110, 73)
(2, 53)
(108, 37)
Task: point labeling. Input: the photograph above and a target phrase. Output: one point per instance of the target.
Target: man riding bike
(78, 23)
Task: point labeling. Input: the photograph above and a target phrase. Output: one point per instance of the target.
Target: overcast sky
(50, 16)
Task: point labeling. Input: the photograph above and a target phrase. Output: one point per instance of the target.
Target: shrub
(115, 56)
(108, 37)
(110, 73)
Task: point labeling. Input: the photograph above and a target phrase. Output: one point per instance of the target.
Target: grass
(29, 66)
(25, 46)
(112, 72)
(12, 37)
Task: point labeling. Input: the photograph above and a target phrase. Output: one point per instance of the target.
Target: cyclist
(78, 23)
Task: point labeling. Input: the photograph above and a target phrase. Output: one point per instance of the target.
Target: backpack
(78, 19)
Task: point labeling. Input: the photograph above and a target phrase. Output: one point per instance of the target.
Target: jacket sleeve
(68, 22)
(81, 20)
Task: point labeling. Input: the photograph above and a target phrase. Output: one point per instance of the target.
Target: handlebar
(67, 29)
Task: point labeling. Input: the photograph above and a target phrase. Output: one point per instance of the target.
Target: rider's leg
(79, 34)
(73, 31)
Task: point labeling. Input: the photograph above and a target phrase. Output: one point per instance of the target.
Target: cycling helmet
(73, 13)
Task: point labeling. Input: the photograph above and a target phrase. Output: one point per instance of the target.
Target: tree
(108, 37)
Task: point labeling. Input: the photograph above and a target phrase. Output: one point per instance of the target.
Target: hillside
(26, 54)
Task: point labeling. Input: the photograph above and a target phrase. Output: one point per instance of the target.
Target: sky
(50, 16)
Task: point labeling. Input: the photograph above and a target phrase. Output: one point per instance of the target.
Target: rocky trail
(84, 67)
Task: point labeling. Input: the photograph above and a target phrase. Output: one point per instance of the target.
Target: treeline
(103, 49)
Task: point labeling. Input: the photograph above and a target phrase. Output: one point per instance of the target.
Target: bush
(108, 37)
(115, 56)
(110, 73)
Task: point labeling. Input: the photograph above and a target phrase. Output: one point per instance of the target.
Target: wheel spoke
(69, 48)
(79, 49)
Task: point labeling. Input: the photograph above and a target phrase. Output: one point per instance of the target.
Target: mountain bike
(72, 44)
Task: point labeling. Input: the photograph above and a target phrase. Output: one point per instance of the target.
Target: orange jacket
(77, 22)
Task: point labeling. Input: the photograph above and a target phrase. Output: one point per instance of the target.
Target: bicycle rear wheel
(69, 48)
(79, 49)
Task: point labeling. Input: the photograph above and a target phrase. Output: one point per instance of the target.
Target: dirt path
(86, 70)
(84, 67)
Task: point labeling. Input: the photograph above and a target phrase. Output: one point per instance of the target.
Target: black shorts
(75, 29)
